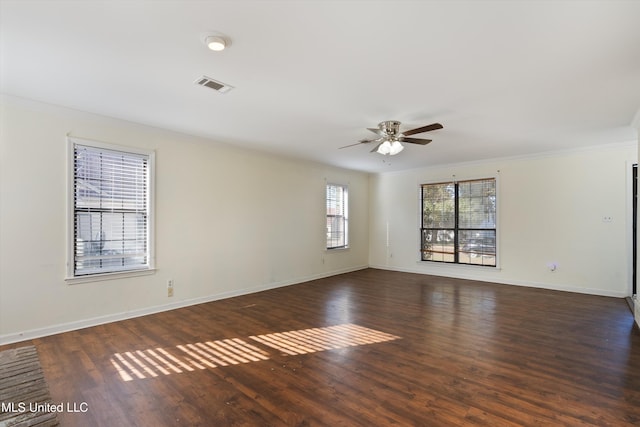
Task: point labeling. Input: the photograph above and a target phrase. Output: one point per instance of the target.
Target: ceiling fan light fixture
(396, 147)
(216, 43)
(390, 148)
(384, 148)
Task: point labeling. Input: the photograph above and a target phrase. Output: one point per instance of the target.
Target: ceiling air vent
(213, 84)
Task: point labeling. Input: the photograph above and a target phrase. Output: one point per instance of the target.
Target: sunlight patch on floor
(150, 363)
(320, 339)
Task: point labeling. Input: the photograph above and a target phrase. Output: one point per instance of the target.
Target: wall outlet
(170, 287)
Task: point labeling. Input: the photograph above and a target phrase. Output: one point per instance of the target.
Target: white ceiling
(504, 78)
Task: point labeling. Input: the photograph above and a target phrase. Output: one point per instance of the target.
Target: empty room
(319, 213)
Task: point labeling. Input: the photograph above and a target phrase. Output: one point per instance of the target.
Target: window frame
(457, 250)
(149, 267)
(345, 216)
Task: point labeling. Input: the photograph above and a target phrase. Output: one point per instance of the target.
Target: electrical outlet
(170, 287)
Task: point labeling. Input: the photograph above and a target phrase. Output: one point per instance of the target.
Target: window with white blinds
(111, 210)
(337, 216)
(459, 222)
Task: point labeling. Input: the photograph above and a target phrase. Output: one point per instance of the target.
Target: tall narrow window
(337, 216)
(111, 210)
(459, 222)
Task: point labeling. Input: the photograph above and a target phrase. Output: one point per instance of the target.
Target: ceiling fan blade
(376, 148)
(427, 128)
(351, 145)
(362, 141)
(372, 140)
(377, 131)
(414, 140)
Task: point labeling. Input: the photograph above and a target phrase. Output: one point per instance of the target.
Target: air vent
(213, 84)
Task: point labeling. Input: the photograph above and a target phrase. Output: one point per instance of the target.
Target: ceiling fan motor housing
(390, 127)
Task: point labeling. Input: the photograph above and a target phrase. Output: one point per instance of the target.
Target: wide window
(459, 222)
(337, 216)
(111, 210)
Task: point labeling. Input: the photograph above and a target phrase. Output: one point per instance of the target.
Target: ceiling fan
(390, 138)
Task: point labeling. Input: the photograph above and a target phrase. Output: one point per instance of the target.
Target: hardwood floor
(369, 348)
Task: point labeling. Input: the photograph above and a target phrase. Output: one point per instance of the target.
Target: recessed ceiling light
(216, 43)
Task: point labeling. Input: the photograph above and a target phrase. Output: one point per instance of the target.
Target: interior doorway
(634, 195)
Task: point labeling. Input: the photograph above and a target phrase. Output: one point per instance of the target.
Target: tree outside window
(459, 222)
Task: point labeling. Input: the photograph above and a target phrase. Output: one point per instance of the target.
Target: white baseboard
(100, 320)
(494, 279)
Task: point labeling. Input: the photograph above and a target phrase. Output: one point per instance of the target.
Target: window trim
(443, 264)
(345, 216)
(71, 278)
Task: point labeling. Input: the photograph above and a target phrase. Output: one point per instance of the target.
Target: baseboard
(493, 279)
(101, 320)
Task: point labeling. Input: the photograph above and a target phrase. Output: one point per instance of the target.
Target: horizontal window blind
(111, 210)
(337, 218)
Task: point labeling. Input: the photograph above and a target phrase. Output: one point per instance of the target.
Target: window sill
(453, 265)
(346, 248)
(108, 276)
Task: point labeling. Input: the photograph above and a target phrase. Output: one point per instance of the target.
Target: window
(337, 216)
(459, 222)
(111, 215)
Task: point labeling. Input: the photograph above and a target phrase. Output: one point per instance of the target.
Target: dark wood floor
(369, 348)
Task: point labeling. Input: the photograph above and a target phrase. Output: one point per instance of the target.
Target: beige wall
(228, 221)
(550, 210)
(231, 221)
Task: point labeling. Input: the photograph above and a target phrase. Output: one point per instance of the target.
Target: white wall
(550, 210)
(228, 221)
